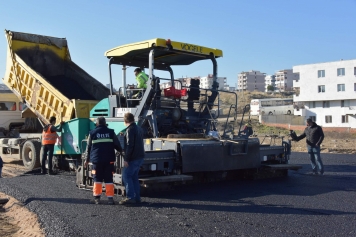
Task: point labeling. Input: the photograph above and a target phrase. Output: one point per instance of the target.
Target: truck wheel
(270, 113)
(289, 112)
(31, 154)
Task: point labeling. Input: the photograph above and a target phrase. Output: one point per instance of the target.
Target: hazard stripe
(102, 140)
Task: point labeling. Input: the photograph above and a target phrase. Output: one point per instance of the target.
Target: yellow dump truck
(40, 72)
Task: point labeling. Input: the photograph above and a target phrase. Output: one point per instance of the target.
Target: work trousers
(48, 148)
(315, 159)
(103, 172)
(131, 182)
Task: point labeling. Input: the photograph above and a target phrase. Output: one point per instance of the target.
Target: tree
(270, 88)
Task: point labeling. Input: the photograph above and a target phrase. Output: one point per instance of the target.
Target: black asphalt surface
(299, 205)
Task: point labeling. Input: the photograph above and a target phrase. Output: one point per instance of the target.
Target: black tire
(31, 154)
(270, 113)
(289, 112)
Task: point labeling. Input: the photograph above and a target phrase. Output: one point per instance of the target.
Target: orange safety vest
(49, 137)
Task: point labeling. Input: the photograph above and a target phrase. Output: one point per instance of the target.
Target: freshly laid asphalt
(299, 205)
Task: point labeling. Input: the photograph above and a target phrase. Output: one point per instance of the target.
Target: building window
(344, 118)
(341, 72)
(326, 104)
(355, 71)
(328, 119)
(354, 86)
(345, 103)
(312, 104)
(340, 87)
(321, 89)
(321, 73)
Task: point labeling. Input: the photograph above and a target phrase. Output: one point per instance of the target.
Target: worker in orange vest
(49, 138)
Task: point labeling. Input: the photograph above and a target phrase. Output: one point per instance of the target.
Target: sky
(263, 35)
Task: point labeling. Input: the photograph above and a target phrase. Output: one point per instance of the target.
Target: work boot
(95, 201)
(111, 201)
(43, 171)
(50, 172)
(127, 201)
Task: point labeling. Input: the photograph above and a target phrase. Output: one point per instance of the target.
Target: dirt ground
(17, 220)
(333, 143)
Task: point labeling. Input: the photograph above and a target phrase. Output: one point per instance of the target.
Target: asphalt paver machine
(181, 140)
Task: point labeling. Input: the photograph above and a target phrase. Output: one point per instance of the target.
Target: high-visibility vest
(49, 137)
(142, 79)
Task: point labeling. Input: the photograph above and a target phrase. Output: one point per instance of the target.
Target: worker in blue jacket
(134, 155)
(102, 143)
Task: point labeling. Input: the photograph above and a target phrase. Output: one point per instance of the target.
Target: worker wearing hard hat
(102, 143)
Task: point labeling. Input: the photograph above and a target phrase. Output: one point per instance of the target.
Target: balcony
(348, 110)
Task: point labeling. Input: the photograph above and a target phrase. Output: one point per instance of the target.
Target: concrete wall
(282, 119)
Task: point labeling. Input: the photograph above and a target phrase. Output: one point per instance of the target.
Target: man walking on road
(49, 138)
(133, 159)
(102, 143)
(314, 137)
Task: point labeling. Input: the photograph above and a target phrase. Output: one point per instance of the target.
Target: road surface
(299, 205)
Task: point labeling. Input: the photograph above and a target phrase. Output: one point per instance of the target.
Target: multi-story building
(326, 92)
(284, 80)
(270, 81)
(251, 81)
(207, 82)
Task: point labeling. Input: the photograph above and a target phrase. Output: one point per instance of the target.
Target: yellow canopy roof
(167, 53)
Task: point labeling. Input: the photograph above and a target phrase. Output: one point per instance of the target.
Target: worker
(141, 79)
(247, 131)
(314, 137)
(133, 159)
(49, 138)
(102, 143)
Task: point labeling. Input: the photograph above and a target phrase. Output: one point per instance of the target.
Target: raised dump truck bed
(40, 71)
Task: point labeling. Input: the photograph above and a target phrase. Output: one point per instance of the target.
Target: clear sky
(264, 35)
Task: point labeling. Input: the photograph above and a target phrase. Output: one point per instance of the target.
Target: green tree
(270, 88)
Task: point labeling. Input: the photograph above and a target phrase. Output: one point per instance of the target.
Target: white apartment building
(270, 81)
(327, 93)
(284, 80)
(251, 81)
(207, 82)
